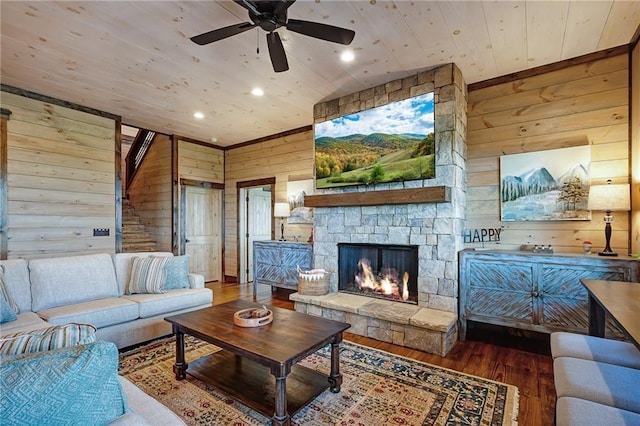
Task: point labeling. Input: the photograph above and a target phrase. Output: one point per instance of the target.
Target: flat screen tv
(389, 143)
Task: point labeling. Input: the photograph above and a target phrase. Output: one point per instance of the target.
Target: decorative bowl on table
(253, 317)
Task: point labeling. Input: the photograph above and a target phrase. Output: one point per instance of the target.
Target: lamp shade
(609, 197)
(281, 210)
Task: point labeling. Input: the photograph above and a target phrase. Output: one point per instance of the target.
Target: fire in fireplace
(379, 270)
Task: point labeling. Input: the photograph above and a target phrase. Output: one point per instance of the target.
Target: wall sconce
(609, 198)
(281, 210)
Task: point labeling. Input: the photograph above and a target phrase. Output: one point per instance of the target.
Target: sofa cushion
(6, 313)
(595, 349)
(46, 339)
(123, 261)
(177, 269)
(147, 408)
(5, 294)
(147, 275)
(99, 313)
(173, 300)
(63, 281)
(70, 386)
(580, 412)
(16, 274)
(26, 321)
(599, 382)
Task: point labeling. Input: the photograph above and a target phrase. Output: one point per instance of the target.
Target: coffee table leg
(180, 367)
(335, 378)
(281, 416)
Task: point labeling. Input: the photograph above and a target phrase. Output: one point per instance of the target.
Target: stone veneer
(436, 228)
(426, 329)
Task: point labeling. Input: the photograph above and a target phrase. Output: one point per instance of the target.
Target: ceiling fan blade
(249, 5)
(221, 33)
(276, 52)
(321, 31)
(282, 6)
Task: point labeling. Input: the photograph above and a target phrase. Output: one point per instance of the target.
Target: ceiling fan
(271, 15)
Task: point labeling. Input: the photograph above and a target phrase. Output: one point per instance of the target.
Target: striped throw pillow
(45, 339)
(147, 275)
(4, 292)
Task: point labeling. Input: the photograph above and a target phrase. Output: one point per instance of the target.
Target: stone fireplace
(433, 227)
(384, 271)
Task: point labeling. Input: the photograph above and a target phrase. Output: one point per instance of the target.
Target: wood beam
(432, 194)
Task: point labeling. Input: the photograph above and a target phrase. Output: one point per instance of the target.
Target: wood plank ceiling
(135, 59)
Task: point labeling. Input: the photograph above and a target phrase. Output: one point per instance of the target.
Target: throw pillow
(45, 339)
(177, 269)
(4, 292)
(147, 275)
(6, 313)
(78, 385)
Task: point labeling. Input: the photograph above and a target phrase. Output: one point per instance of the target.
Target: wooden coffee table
(258, 366)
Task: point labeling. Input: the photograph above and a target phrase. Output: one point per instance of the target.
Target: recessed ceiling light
(256, 91)
(347, 56)
(199, 115)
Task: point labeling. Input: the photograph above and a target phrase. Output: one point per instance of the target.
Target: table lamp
(609, 198)
(281, 210)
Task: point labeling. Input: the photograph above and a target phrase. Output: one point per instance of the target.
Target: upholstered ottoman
(595, 349)
(598, 382)
(579, 412)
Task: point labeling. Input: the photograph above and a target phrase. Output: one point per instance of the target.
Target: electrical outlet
(100, 232)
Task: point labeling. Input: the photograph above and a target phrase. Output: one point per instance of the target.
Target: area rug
(378, 388)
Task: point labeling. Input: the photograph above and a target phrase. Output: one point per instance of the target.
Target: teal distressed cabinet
(275, 263)
(534, 291)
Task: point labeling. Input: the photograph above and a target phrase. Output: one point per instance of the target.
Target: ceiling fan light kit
(271, 15)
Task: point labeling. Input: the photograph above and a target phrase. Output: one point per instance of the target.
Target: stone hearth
(430, 330)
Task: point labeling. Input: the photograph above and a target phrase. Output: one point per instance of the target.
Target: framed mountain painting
(545, 185)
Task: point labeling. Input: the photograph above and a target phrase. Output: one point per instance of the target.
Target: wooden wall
(151, 192)
(285, 158)
(198, 163)
(60, 179)
(582, 104)
(201, 163)
(635, 149)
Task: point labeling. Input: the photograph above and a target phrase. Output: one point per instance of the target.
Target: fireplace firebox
(384, 271)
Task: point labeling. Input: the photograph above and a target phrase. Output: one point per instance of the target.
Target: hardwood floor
(520, 359)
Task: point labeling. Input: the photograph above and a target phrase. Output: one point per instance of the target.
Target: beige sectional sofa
(92, 289)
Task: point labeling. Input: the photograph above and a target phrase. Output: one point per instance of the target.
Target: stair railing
(139, 148)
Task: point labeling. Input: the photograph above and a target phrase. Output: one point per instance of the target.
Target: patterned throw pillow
(4, 292)
(6, 313)
(147, 275)
(177, 269)
(77, 385)
(45, 339)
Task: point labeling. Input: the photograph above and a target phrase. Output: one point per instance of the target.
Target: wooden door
(258, 221)
(203, 231)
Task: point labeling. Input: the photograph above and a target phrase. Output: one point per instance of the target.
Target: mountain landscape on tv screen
(373, 158)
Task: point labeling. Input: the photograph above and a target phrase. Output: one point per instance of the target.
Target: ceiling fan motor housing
(268, 21)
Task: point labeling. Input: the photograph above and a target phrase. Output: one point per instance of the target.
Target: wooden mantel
(432, 194)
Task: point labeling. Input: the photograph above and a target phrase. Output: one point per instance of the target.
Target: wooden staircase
(135, 238)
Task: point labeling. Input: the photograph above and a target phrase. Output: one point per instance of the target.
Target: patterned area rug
(378, 388)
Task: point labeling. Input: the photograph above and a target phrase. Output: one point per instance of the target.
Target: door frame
(240, 238)
(184, 183)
